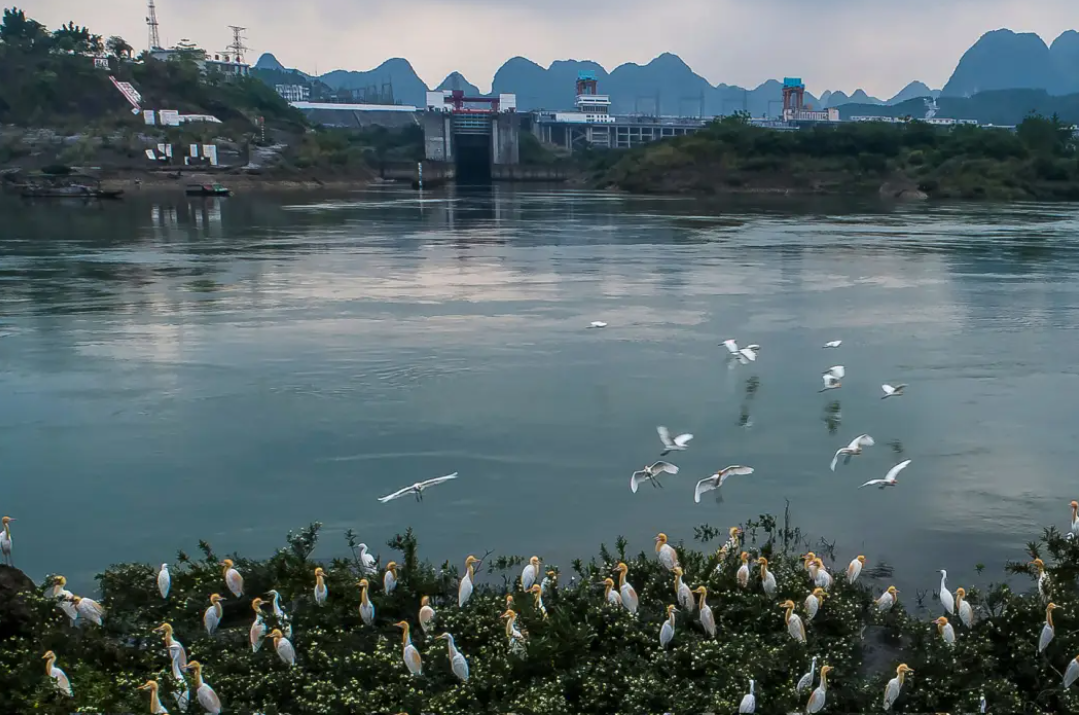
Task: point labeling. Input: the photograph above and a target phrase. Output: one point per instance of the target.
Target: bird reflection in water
(833, 416)
(745, 419)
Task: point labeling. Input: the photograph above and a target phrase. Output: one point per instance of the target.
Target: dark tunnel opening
(473, 158)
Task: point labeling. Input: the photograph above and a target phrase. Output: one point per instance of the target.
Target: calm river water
(228, 370)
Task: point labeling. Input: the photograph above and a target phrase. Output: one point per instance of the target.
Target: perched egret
(417, 488)
(813, 602)
(427, 615)
(749, 701)
(283, 646)
(233, 579)
(58, 676)
(651, 474)
(212, 617)
(203, 692)
(609, 594)
(530, 573)
(409, 653)
(5, 540)
(854, 569)
(889, 478)
(1075, 518)
(457, 661)
(810, 563)
(1043, 579)
(1072, 672)
(1048, 630)
(832, 344)
(946, 598)
(181, 694)
(891, 690)
(833, 378)
(666, 633)
(742, 576)
(732, 543)
(367, 609)
(947, 633)
(176, 651)
(164, 581)
(852, 450)
(708, 619)
(818, 696)
(258, 628)
(464, 590)
(279, 612)
(717, 480)
(806, 681)
(389, 579)
(890, 391)
(982, 705)
(682, 592)
(64, 597)
(89, 609)
(548, 582)
(537, 598)
(513, 635)
(678, 444)
(821, 577)
(626, 591)
(966, 613)
(887, 599)
(768, 580)
(367, 561)
(156, 708)
(666, 553)
(794, 622)
(321, 592)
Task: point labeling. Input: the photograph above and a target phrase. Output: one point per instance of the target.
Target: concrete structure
(793, 94)
(809, 115)
(475, 133)
(224, 64)
(359, 116)
(294, 92)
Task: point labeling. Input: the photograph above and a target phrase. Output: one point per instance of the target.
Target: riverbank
(584, 655)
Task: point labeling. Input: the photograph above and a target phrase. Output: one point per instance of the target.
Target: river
(174, 370)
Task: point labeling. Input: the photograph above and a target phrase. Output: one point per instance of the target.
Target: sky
(876, 45)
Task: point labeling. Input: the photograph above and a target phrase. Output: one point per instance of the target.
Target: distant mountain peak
(268, 62)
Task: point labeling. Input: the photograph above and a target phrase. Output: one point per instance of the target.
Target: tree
(1045, 136)
(118, 47)
(17, 29)
(72, 39)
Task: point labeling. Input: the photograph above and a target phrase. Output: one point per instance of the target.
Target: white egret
(464, 589)
(982, 705)
(548, 582)
(233, 579)
(665, 552)
(537, 598)
(156, 708)
(58, 676)
(678, 444)
(1048, 630)
(749, 701)
(682, 592)
(716, 480)
(732, 543)
(5, 540)
(597, 324)
(1043, 579)
(852, 450)
(768, 579)
(321, 592)
(891, 690)
(610, 595)
(744, 355)
(813, 602)
(833, 378)
(854, 569)
(666, 632)
(279, 613)
(367, 609)
(947, 633)
(962, 606)
(946, 598)
(821, 577)
(806, 681)
(742, 575)
(457, 661)
(417, 488)
(795, 626)
(181, 694)
(530, 573)
(409, 653)
(892, 391)
(389, 579)
(626, 591)
(833, 344)
(810, 563)
(212, 616)
(513, 635)
(89, 609)
(1072, 672)
(427, 614)
(258, 628)
(651, 474)
(283, 646)
(889, 478)
(818, 696)
(64, 598)
(203, 692)
(367, 561)
(887, 599)
(1075, 518)
(176, 651)
(164, 581)
(708, 619)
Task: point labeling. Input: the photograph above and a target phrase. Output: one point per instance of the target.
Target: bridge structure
(476, 134)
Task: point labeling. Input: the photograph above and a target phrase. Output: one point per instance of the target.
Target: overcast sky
(878, 45)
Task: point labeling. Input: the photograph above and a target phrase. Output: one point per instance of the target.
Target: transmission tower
(151, 23)
(237, 48)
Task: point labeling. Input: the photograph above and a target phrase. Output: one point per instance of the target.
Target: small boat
(207, 190)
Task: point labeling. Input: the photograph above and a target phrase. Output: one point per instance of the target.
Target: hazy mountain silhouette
(1003, 107)
(456, 80)
(1065, 55)
(1003, 59)
(914, 90)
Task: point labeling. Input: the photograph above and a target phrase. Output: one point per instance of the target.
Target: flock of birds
(536, 582)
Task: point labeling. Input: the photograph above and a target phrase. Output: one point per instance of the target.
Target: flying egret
(598, 324)
(176, 651)
(283, 646)
(708, 619)
(742, 576)
(367, 609)
(609, 594)
(666, 633)
(537, 598)
(89, 609)
(164, 581)
(1072, 672)
(58, 676)
(279, 612)
(678, 444)
(813, 602)
(233, 579)
(212, 617)
(258, 628)
(749, 701)
(889, 478)
(1048, 630)
(892, 391)
(417, 488)
(651, 474)
(716, 480)
(156, 708)
(457, 661)
(768, 580)
(1043, 579)
(891, 690)
(833, 344)
(818, 696)
(389, 579)
(806, 681)
(409, 653)
(1075, 518)
(821, 577)
(321, 592)
(367, 561)
(887, 599)
(464, 590)
(626, 591)
(427, 614)
(5, 540)
(833, 378)
(203, 692)
(530, 573)
(966, 613)
(946, 598)
(947, 633)
(852, 450)
(744, 355)
(794, 622)
(854, 569)
(665, 552)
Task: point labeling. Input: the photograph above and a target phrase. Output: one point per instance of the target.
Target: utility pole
(151, 23)
(237, 48)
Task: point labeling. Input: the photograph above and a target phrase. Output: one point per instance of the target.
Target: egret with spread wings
(833, 378)
(417, 488)
(678, 444)
(651, 474)
(716, 480)
(889, 478)
(852, 450)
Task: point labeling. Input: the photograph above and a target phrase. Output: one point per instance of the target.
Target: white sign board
(169, 117)
(210, 152)
(151, 155)
(150, 117)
